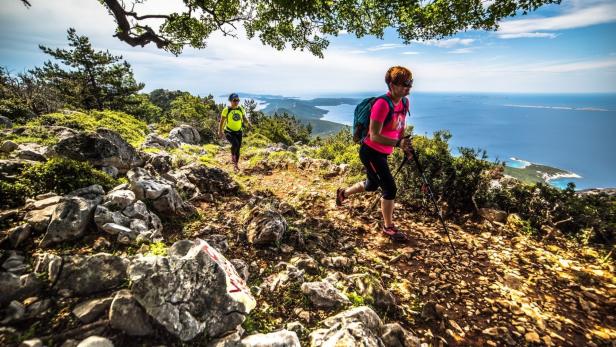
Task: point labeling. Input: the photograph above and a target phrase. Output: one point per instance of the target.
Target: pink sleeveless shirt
(393, 129)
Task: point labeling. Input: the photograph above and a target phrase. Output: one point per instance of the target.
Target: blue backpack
(361, 116)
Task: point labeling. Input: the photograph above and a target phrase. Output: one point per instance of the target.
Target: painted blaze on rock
(194, 290)
(236, 287)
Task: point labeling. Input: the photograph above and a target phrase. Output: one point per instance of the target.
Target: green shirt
(234, 118)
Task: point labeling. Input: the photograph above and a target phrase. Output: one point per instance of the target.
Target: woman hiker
(232, 121)
(380, 142)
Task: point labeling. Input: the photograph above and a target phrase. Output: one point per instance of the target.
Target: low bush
(57, 175)
(130, 128)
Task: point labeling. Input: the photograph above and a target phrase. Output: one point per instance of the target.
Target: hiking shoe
(395, 235)
(340, 196)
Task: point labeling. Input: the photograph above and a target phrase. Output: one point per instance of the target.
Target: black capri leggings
(378, 172)
(235, 139)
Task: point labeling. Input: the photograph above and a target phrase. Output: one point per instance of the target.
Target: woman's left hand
(406, 146)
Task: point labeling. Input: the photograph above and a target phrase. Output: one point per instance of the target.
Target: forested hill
(305, 110)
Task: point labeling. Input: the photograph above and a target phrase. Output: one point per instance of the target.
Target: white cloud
(528, 35)
(385, 46)
(577, 18)
(410, 53)
(461, 51)
(560, 67)
(446, 43)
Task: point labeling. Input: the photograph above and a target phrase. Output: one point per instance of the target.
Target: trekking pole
(431, 194)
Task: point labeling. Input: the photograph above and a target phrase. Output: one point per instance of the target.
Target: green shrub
(13, 194)
(455, 180)
(340, 149)
(158, 248)
(255, 140)
(15, 109)
(130, 128)
(58, 175)
(540, 204)
(282, 128)
(62, 176)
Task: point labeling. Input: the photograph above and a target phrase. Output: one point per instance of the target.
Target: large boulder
(84, 275)
(72, 215)
(10, 169)
(265, 226)
(162, 194)
(185, 134)
(191, 291)
(104, 148)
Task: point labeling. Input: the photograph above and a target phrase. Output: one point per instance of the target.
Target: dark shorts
(235, 139)
(377, 171)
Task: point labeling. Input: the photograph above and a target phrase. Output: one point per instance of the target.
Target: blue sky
(567, 48)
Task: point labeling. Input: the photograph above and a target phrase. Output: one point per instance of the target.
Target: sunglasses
(235, 100)
(407, 84)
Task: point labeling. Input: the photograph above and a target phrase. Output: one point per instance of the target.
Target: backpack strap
(390, 103)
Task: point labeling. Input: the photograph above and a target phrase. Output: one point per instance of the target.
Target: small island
(534, 173)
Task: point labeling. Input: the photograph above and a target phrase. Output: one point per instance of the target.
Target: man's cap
(233, 96)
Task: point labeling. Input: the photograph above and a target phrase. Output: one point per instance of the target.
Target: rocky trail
(503, 288)
(185, 251)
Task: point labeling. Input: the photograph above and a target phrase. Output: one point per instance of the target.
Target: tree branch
(124, 28)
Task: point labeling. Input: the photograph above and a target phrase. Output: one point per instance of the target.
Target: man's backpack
(361, 116)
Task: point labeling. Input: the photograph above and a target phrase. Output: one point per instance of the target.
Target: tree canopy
(93, 80)
(306, 24)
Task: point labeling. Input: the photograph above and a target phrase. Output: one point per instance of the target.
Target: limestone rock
(69, 220)
(89, 310)
(84, 275)
(103, 148)
(359, 326)
(185, 134)
(265, 226)
(281, 338)
(178, 291)
(324, 294)
(493, 215)
(125, 314)
(95, 341)
(153, 140)
(15, 287)
(8, 146)
(162, 194)
(39, 213)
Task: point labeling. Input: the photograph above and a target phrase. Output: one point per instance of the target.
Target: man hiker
(385, 131)
(232, 121)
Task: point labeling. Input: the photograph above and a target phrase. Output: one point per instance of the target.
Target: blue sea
(576, 133)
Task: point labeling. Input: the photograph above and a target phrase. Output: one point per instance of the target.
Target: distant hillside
(306, 111)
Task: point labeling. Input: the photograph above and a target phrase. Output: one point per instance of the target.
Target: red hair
(398, 74)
